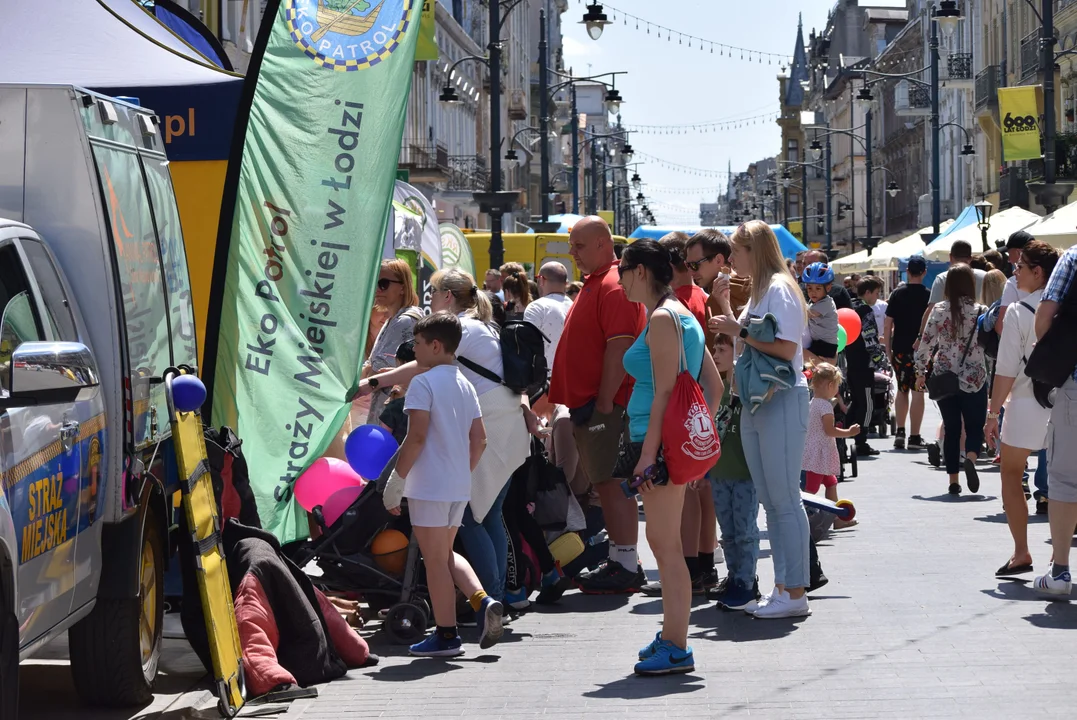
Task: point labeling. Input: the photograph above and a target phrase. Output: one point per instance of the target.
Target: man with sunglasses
(707, 256)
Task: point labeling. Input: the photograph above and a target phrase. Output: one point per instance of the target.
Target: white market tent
(1003, 225)
(887, 255)
(856, 263)
(1059, 229)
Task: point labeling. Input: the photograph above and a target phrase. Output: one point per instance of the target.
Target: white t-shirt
(1010, 292)
(443, 470)
(481, 345)
(787, 307)
(938, 288)
(1017, 340)
(548, 315)
(879, 308)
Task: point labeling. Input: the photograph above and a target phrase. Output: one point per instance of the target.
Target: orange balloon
(849, 320)
(390, 551)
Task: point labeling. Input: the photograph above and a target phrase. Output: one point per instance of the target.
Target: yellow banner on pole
(427, 49)
(1020, 108)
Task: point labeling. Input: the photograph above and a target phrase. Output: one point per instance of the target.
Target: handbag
(689, 440)
(941, 385)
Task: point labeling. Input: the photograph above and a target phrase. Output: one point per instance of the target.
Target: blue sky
(673, 84)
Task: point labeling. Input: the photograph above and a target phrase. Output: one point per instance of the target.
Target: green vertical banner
(302, 227)
(428, 41)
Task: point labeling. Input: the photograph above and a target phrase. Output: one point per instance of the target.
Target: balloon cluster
(334, 484)
(849, 327)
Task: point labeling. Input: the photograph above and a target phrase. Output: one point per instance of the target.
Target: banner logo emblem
(348, 34)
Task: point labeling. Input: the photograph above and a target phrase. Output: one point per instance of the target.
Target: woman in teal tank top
(654, 361)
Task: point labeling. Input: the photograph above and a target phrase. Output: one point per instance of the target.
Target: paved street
(912, 624)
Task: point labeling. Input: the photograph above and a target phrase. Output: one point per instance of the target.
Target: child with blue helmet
(822, 313)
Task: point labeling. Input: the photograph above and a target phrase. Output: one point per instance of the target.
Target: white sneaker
(1053, 585)
(719, 555)
(783, 606)
(751, 607)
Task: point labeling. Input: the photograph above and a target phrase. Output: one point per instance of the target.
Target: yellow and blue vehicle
(95, 305)
(532, 250)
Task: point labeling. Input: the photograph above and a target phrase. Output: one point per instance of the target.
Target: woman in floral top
(949, 343)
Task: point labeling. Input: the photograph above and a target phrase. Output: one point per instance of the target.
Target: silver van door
(84, 461)
(39, 451)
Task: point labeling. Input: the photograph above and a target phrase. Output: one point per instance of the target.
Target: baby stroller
(343, 553)
(840, 419)
(882, 400)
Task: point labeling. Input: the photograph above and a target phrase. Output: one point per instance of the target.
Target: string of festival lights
(677, 167)
(672, 190)
(692, 41)
(704, 127)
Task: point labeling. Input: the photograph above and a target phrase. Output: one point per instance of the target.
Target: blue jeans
(967, 408)
(737, 508)
(487, 546)
(773, 439)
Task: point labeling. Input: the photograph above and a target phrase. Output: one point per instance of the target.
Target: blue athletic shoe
(437, 646)
(648, 651)
(517, 599)
(491, 624)
(667, 659)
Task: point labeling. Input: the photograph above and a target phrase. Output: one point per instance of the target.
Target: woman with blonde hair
(994, 282)
(773, 435)
(395, 297)
(507, 416)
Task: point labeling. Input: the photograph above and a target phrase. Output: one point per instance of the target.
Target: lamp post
(983, 220)
(544, 119)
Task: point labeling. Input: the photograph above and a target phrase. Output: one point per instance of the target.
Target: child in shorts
(821, 463)
(735, 501)
(443, 445)
(822, 314)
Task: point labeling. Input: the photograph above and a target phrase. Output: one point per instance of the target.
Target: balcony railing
(1030, 55)
(959, 66)
(424, 155)
(988, 81)
(1012, 191)
(468, 173)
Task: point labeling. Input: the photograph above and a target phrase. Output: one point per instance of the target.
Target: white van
(94, 307)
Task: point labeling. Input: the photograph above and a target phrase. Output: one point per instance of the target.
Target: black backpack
(1054, 358)
(523, 357)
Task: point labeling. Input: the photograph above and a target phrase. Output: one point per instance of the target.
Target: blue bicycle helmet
(818, 273)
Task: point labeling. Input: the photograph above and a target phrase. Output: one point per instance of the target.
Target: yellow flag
(427, 49)
(1019, 108)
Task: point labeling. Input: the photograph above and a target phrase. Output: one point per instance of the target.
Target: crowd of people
(733, 318)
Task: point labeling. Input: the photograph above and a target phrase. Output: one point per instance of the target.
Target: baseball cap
(1018, 240)
(917, 265)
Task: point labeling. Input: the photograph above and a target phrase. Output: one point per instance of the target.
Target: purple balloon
(369, 448)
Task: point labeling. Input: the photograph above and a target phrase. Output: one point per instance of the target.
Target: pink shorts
(812, 481)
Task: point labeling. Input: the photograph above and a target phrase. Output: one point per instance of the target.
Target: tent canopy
(1059, 229)
(1006, 222)
(855, 263)
(888, 255)
(790, 246)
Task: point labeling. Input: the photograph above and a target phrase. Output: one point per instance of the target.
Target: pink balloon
(323, 478)
(338, 502)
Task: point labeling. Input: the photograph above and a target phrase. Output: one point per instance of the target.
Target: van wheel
(116, 648)
(9, 663)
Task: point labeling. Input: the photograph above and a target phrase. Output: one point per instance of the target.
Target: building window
(792, 151)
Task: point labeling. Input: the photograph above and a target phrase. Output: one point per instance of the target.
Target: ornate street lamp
(595, 21)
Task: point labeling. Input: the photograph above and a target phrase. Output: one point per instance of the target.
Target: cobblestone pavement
(913, 624)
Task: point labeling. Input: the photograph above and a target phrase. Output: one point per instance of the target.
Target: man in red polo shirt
(589, 378)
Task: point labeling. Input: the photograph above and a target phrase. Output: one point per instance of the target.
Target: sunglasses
(622, 269)
(694, 265)
(384, 283)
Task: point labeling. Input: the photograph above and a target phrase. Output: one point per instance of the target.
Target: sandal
(1007, 570)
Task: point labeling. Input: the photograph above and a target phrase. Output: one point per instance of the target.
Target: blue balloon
(188, 393)
(369, 448)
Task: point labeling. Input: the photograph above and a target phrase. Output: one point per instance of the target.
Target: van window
(141, 281)
(173, 261)
(52, 290)
(18, 319)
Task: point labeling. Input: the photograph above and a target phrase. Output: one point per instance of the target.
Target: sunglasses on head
(384, 283)
(694, 265)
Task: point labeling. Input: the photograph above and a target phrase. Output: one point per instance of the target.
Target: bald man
(589, 378)
(549, 311)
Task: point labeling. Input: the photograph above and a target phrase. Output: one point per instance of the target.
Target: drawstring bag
(690, 443)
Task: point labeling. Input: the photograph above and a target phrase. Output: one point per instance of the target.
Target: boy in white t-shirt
(445, 440)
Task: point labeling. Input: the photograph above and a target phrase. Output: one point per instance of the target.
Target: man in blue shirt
(1062, 439)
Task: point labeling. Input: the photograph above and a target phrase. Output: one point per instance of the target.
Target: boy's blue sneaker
(491, 624)
(437, 646)
(648, 651)
(738, 596)
(666, 660)
(517, 599)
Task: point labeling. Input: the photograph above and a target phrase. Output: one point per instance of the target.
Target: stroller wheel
(405, 623)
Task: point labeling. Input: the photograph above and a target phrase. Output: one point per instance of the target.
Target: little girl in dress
(821, 463)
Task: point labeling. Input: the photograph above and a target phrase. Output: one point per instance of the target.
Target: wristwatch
(743, 332)
(992, 415)
(373, 383)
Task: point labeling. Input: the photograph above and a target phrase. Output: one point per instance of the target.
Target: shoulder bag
(941, 385)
